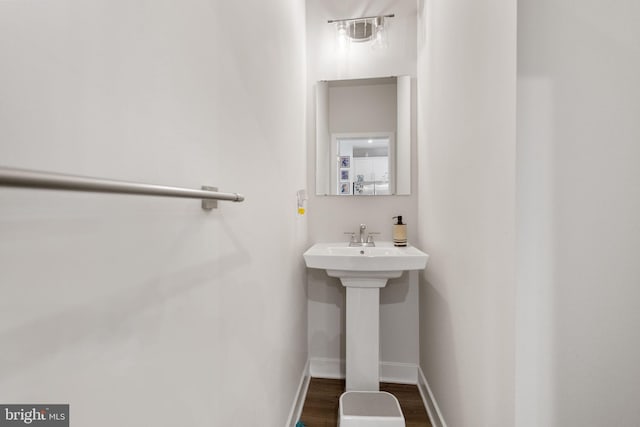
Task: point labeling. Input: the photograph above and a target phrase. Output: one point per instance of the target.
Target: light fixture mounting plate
(360, 31)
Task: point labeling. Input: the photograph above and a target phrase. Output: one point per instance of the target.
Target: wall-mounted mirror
(363, 136)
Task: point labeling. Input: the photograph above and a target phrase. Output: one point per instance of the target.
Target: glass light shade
(380, 40)
(342, 36)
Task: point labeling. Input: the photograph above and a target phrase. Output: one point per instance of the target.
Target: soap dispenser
(399, 232)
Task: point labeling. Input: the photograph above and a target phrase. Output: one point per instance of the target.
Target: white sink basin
(381, 261)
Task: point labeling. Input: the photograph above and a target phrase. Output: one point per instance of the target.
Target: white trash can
(369, 409)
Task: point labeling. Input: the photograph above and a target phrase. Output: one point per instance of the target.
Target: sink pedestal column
(363, 333)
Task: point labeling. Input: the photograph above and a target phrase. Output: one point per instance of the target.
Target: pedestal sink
(363, 271)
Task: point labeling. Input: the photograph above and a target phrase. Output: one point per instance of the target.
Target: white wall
(330, 217)
(148, 311)
(570, 293)
(466, 154)
(578, 210)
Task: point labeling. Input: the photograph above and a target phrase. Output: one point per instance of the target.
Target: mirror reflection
(363, 137)
(363, 164)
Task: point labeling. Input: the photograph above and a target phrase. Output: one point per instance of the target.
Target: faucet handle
(370, 236)
(352, 234)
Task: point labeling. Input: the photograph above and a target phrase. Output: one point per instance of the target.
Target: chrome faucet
(365, 240)
(363, 232)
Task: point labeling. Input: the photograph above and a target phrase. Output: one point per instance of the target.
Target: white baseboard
(327, 368)
(398, 373)
(390, 372)
(301, 395)
(437, 420)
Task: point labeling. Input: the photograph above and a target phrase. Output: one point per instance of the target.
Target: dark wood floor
(321, 405)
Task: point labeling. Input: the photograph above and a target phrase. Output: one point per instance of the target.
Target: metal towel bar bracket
(12, 177)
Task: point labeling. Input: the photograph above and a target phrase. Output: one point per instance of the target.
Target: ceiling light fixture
(361, 30)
